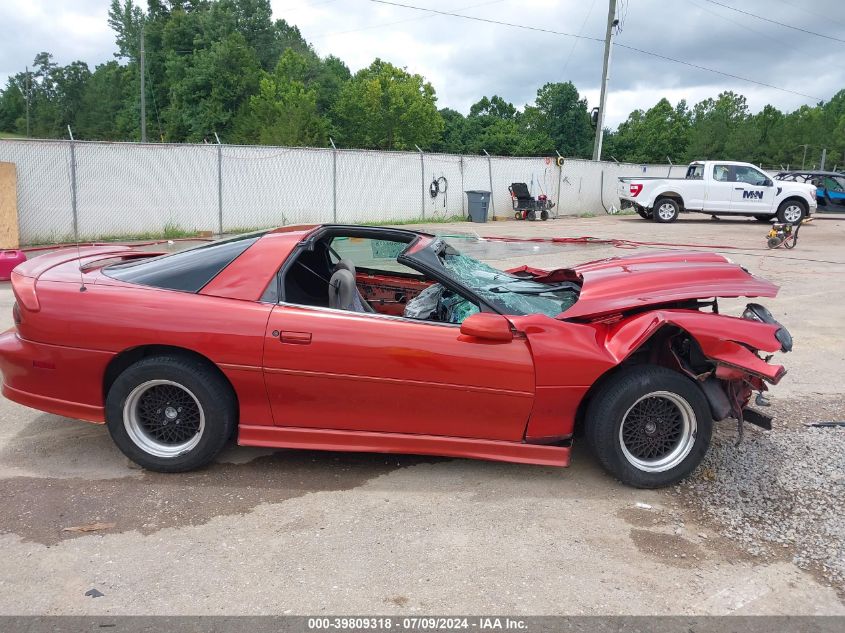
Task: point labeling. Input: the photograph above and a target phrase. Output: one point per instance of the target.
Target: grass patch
(9, 135)
(419, 220)
(169, 232)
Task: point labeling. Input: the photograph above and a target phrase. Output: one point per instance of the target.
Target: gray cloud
(465, 60)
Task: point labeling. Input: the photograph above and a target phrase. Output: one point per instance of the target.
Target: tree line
(226, 67)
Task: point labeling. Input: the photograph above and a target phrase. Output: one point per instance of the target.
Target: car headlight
(756, 312)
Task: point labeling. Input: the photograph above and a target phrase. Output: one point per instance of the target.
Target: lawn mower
(525, 206)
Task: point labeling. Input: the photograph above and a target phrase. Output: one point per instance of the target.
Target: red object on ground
(500, 386)
(8, 260)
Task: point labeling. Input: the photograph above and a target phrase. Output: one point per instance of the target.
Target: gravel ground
(780, 493)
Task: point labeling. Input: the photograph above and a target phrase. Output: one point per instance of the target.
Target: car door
(752, 191)
(719, 188)
(694, 188)
(334, 369)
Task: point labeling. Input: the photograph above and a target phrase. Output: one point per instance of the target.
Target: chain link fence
(128, 190)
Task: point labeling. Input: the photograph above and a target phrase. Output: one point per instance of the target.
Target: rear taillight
(635, 189)
(16, 313)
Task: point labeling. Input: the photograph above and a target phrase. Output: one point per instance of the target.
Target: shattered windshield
(506, 292)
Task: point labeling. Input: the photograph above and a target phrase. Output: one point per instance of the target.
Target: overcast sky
(465, 60)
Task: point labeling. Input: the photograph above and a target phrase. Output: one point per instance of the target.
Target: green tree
(285, 111)
(107, 108)
(454, 131)
(560, 114)
(493, 126)
(386, 107)
(13, 104)
(208, 89)
(720, 129)
(126, 20)
(653, 135)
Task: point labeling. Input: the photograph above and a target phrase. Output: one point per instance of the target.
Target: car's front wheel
(649, 426)
(791, 211)
(170, 413)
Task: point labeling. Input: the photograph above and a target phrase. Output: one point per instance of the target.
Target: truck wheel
(666, 210)
(649, 426)
(791, 211)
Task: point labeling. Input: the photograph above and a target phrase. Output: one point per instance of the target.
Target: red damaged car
(379, 339)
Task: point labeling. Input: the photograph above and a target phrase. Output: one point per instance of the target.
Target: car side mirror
(768, 183)
(487, 326)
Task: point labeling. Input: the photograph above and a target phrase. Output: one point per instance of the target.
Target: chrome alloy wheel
(793, 213)
(658, 432)
(163, 418)
(666, 211)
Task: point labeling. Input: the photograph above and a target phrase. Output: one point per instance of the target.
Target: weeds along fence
(134, 189)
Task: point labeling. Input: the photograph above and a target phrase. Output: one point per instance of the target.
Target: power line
(788, 26)
(742, 26)
(826, 16)
(575, 42)
(320, 36)
(598, 39)
(488, 21)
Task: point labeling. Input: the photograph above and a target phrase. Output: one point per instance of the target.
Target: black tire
(544, 215)
(201, 399)
(659, 211)
(645, 215)
(786, 213)
(683, 403)
(531, 216)
(763, 218)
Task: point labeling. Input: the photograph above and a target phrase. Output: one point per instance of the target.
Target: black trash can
(477, 203)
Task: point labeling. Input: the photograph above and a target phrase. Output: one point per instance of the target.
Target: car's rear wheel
(791, 211)
(666, 210)
(170, 413)
(649, 426)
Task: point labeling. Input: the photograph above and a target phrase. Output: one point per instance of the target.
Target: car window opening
(374, 275)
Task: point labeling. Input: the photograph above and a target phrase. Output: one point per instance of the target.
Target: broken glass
(513, 295)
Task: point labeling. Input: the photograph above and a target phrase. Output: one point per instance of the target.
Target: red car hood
(622, 283)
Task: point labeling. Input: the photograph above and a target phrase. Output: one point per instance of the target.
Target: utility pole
(605, 76)
(824, 158)
(804, 159)
(143, 92)
(28, 90)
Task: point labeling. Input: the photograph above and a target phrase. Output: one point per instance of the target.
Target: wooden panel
(9, 237)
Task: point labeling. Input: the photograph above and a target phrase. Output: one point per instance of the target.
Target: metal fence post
(334, 180)
(219, 185)
(422, 182)
(463, 209)
(73, 186)
(559, 164)
(490, 175)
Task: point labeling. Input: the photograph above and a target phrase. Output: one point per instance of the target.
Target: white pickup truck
(718, 188)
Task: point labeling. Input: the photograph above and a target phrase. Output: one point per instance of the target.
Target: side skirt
(372, 442)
